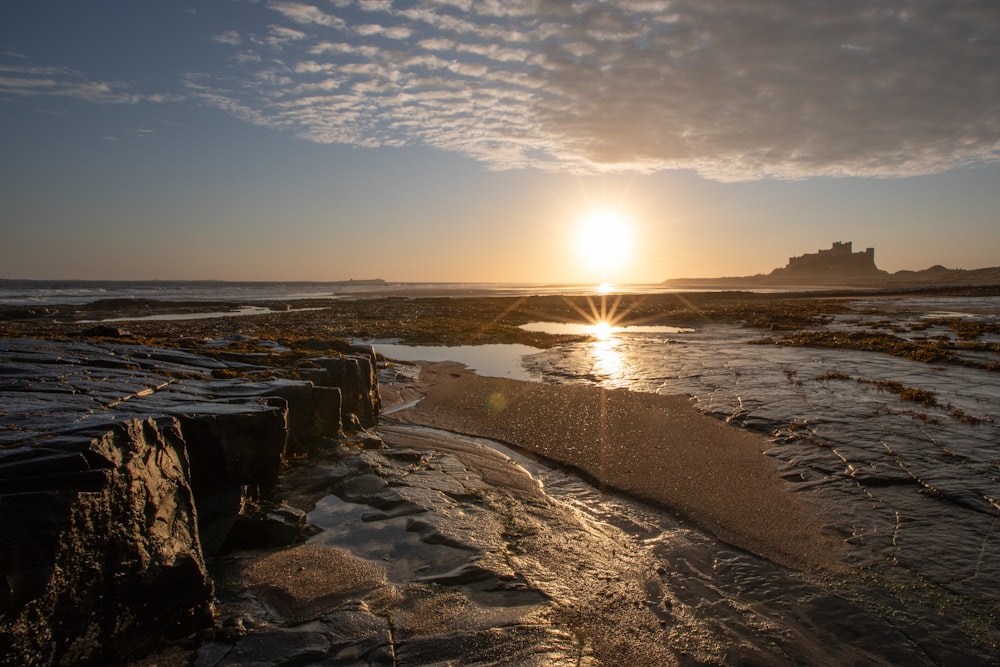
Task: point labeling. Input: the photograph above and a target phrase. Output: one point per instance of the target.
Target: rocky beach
(263, 489)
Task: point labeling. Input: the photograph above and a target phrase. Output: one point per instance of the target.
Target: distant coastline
(41, 293)
(840, 266)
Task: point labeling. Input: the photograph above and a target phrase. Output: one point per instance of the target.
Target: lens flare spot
(496, 402)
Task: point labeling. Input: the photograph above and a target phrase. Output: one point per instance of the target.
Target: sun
(604, 239)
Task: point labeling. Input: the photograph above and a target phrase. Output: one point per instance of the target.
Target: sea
(43, 292)
(903, 456)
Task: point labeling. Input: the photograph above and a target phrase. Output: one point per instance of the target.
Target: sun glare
(604, 240)
(601, 316)
(602, 330)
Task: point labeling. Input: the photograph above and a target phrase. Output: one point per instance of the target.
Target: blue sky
(455, 140)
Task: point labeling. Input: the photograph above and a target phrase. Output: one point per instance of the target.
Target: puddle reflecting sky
(503, 361)
(600, 329)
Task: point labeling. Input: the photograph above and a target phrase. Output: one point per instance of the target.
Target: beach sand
(656, 448)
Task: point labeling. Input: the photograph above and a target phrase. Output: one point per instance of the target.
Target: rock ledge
(123, 466)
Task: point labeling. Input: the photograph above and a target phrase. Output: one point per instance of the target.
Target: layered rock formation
(122, 467)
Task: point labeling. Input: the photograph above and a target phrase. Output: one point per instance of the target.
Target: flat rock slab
(49, 388)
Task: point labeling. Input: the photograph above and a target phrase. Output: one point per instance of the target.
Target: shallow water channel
(913, 485)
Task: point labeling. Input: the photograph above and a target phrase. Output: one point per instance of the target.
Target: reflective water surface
(600, 330)
(917, 482)
(490, 360)
(905, 455)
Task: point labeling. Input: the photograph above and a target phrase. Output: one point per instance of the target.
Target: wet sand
(656, 448)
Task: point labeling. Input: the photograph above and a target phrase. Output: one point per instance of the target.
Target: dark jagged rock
(103, 331)
(270, 525)
(314, 412)
(121, 467)
(106, 557)
(357, 378)
(233, 459)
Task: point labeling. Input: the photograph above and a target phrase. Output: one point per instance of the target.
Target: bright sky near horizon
(464, 140)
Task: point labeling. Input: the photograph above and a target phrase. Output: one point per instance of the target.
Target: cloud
(375, 5)
(35, 81)
(732, 89)
(278, 36)
(395, 32)
(230, 37)
(306, 14)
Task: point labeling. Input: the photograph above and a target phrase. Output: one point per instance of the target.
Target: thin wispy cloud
(230, 37)
(33, 81)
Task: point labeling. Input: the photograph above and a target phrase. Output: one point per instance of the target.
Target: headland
(840, 266)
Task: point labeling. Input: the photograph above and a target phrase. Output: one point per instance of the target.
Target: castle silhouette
(839, 261)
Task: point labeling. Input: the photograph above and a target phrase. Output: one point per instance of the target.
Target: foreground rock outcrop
(103, 555)
(122, 467)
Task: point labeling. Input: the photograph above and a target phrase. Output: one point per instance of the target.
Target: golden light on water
(607, 359)
(601, 315)
(602, 330)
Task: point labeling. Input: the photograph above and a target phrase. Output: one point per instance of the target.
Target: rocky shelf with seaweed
(442, 320)
(487, 565)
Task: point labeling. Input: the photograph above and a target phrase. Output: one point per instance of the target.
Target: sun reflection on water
(607, 358)
(603, 321)
(607, 320)
(602, 318)
(602, 330)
